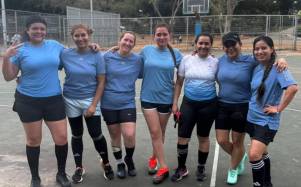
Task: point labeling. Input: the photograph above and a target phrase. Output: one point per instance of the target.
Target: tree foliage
(130, 8)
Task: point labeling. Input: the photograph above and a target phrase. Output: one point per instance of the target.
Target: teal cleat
(232, 176)
(241, 165)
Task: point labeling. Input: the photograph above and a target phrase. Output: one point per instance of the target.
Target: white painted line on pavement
(5, 106)
(7, 92)
(292, 109)
(214, 167)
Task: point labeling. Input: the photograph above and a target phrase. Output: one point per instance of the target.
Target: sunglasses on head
(176, 118)
(230, 43)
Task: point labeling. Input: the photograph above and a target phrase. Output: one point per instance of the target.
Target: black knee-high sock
(258, 172)
(129, 152)
(77, 129)
(267, 168)
(61, 153)
(202, 158)
(77, 149)
(182, 155)
(33, 154)
(100, 143)
(117, 152)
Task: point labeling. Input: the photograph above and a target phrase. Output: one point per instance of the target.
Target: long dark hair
(268, 67)
(30, 20)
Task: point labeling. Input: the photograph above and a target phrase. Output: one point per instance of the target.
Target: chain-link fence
(15, 24)
(105, 25)
(283, 29)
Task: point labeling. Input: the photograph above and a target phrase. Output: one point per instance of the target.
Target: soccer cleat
(131, 166)
(161, 175)
(232, 176)
(61, 178)
(108, 171)
(152, 165)
(35, 182)
(77, 177)
(121, 171)
(179, 174)
(241, 165)
(200, 173)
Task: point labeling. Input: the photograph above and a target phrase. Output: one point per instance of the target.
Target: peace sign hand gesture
(12, 50)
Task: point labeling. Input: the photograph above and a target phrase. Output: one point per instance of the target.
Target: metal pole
(59, 28)
(4, 23)
(266, 25)
(296, 32)
(151, 28)
(16, 21)
(187, 32)
(91, 12)
(64, 30)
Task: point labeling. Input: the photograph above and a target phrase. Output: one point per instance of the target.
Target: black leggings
(94, 129)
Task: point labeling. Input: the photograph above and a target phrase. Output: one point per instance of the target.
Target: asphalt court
(285, 151)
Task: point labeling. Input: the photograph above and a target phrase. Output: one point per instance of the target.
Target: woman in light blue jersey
(83, 88)
(157, 94)
(199, 105)
(118, 106)
(265, 106)
(234, 77)
(38, 95)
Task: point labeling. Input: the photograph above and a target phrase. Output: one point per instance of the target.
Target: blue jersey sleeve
(285, 79)
(179, 56)
(61, 65)
(101, 66)
(140, 76)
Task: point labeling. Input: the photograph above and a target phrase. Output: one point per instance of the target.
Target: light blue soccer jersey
(122, 73)
(158, 74)
(81, 71)
(199, 74)
(274, 85)
(234, 78)
(39, 68)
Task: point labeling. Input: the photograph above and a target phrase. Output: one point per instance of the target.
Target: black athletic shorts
(119, 116)
(161, 108)
(261, 133)
(31, 109)
(232, 116)
(202, 113)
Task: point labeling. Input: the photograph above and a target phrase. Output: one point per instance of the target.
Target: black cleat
(121, 171)
(200, 173)
(35, 182)
(61, 178)
(131, 166)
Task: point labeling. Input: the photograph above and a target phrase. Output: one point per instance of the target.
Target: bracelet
(277, 110)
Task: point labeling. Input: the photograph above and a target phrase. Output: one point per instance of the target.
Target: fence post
(16, 21)
(59, 29)
(64, 30)
(296, 32)
(266, 25)
(187, 30)
(151, 26)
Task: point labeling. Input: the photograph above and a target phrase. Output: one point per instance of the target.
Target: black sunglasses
(176, 118)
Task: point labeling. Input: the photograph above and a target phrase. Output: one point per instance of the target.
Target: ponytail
(172, 54)
(268, 67)
(267, 70)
